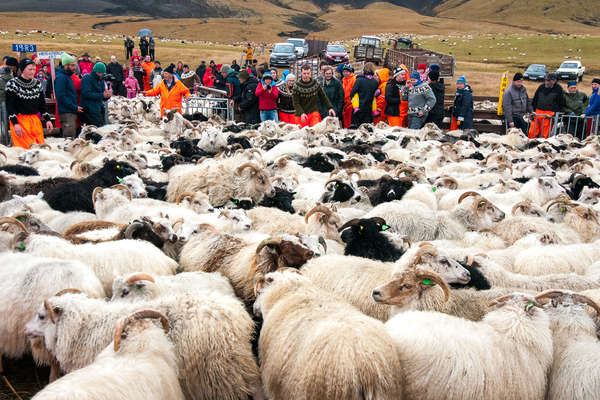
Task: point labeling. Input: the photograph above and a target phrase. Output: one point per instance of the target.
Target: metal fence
(548, 125)
(4, 131)
(209, 106)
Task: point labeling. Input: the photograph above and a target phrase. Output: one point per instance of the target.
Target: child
(132, 85)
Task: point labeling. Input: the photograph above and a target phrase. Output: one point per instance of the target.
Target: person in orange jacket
(171, 91)
(404, 104)
(148, 66)
(348, 81)
(384, 76)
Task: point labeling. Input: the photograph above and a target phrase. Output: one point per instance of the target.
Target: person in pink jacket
(132, 85)
(267, 94)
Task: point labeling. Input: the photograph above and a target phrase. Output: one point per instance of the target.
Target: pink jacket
(266, 101)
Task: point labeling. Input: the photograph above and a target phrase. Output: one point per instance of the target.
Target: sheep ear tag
(22, 246)
(120, 180)
(384, 227)
(433, 189)
(427, 282)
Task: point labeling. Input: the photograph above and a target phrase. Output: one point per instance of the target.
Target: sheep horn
(432, 276)
(70, 290)
(550, 294)
(4, 154)
(163, 151)
(323, 243)
(500, 300)
(122, 324)
(553, 202)
(524, 205)
(48, 308)
(253, 151)
(352, 222)
(183, 196)
(335, 171)
(73, 163)
(268, 242)
(331, 180)
(379, 221)
(465, 195)
(506, 166)
(14, 221)
(423, 250)
(452, 180)
(139, 277)
(86, 226)
(132, 228)
(351, 172)
(45, 146)
(317, 209)
(580, 298)
(579, 177)
(124, 189)
(250, 165)
(97, 190)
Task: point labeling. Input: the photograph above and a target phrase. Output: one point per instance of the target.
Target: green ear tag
(531, 303)
(235, 201)
(428, 282)
(139, 288)
(20, 218)
(119, 179)
(562, 209)
(87, 144)
(337, 186)
(408, 141)
(387, 140)
(22, 247)
(302, 214)
(384, 227)
(503, 183)
(433, 189)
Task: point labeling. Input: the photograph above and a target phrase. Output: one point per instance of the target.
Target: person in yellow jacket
(384, 76)
(249, 55)
(171, 91)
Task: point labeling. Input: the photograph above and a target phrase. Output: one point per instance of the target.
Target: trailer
(316, 47)
(369, 50)
(411, 58)
(314, 62)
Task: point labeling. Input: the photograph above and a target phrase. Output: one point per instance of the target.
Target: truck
(404, 52)
(571, 70)
(369, 49)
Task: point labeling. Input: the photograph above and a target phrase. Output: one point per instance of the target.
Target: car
(283, 55)
(335, 54)
(571, 70)
(535, 72)
(301, 46)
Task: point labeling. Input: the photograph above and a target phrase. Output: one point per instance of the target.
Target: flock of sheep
(193, 258)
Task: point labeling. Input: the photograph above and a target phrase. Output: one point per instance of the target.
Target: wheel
(581, 78)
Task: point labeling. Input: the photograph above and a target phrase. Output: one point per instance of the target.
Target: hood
(384, 74)
(467, 88)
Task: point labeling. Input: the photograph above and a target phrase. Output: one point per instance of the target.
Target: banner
(503, 86)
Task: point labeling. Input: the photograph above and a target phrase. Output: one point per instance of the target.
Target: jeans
(268, 115)
(96, 119)
(416, 122)
(520, 124)
(68, 122)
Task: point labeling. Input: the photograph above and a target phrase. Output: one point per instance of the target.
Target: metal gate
(4, 132)
(209, 106)
(541, 125)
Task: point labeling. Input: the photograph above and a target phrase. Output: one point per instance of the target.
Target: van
(301, 46)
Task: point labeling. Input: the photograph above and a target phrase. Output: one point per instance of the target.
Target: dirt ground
(25, 377)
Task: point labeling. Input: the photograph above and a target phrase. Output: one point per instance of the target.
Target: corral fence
(4, 131)
(542, 125)
(216, 104)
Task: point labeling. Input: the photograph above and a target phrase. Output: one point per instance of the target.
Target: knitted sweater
(189, 79)
(420, 98)
(285, 103)
(306, 97)
(26, 97)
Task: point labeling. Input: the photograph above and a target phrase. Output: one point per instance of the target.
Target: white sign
(49, 54)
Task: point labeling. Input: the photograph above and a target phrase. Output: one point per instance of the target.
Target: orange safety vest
(148, 67)
(169, 99)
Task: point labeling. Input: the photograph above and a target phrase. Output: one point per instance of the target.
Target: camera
(108, 77)
(268, 87)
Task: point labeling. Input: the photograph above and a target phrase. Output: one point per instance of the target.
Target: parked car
(335, 54)
(282, 55)
(571, 70)
(301, 46)
(535, 72)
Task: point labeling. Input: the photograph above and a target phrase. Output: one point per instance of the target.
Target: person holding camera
(92, 95)
(267, 98)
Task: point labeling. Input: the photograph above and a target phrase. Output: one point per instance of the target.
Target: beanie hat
(347, 67)
(24, 63)
(415, 75)
(462, 79)
(12, 62)
(596, 80)
(99, 67)
(518, 77)
(66, 59)
(244, 74)
(551, 77)
(571, 83)
(422, 66)
(434, 67)
(434, 75)
(267, 75)
(170, 69)
(225, 68)
(397, 71)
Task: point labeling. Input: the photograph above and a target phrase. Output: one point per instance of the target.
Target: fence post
(555, 127)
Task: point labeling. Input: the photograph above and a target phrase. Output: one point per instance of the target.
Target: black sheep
(22, 170)
(282, 200)
(341, 192)
(77, 196)
(197, 116)
(385, 189)
(186, 147)
(478, 280)
(170, 161)
(319, 162)
(241, 140)
(7, 190)
(577, 182)
(363, 238)
(93, 137)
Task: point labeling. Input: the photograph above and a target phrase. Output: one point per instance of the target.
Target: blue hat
(434, 67)
(267, 75)
(415, 75)
(347, 67)
(462, 79)
(572, 83)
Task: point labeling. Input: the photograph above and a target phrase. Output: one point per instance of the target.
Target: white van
(301, 46)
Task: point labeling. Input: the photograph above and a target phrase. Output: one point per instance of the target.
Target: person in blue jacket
(66, 96)
(93, 94)
(463, 104)
(594, 109)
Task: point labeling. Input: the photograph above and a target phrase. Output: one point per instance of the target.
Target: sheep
(305, 329)
(364, 238)
(211, 333)
(107, 260)
(385, 189)
(139, 364)
(576, 348)
(239, 260)
(515, 331)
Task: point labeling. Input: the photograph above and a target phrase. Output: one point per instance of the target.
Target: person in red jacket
(267, 94)
(209, 79)
(85, 64)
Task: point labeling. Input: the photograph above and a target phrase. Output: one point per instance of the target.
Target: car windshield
(370, 41)
(568, 65)
(536, 68)
(295, 42)
(283, 48)
(336, 49)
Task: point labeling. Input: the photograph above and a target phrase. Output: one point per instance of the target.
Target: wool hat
(434, 67)
(596, 80)
(170, 69)
(422, 66)
(12, 62)
(462, 79)
(551, 77)
(397, 71)
(518, 77)
(267, 75)
(66, 59)
(415, 75)
(571, 83)
(225, 68)
(24, 63)
(244, 74)
(434, 75)
(347, 67)
(99, 67)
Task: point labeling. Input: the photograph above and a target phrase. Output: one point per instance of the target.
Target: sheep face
(240, 222)
(256, 183)
(521, 304)
(477, 213)
(199, 203)
(213, 140)
(551, 187)
(135, 185)
(408, 287)
(338, 191)
(30, 157)
(363, 238)
(138, 160)
(43, 325)
(282, 200)
(314, 243)
(589, 196)
(134, 287)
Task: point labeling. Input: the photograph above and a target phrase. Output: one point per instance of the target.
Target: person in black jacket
(129, 45)
(366, 86)
(393, 97)
(549, 99)
(248, 102)
(436, 114)
(463, 104)
(334, 91)
(116, 70)
(144, 46)
(201, 70)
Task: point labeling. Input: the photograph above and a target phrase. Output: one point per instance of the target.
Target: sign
(50, 54)
(24, 48)
(503, 86)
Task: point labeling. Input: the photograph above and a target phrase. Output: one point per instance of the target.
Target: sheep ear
(540, 180)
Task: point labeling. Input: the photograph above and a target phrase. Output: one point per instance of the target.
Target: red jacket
(209, 78)
(267, 101)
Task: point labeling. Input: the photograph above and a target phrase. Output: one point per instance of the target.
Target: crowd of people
(398, 97)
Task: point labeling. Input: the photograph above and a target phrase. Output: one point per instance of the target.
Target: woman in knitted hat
(24, 101)
(393, 98)
(594, 108)
(93, 94)
(420, 100)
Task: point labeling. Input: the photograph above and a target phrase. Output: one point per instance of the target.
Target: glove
(355, 110)
(377, 92)
(375, 113)
(458, 122)
(582, 116)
